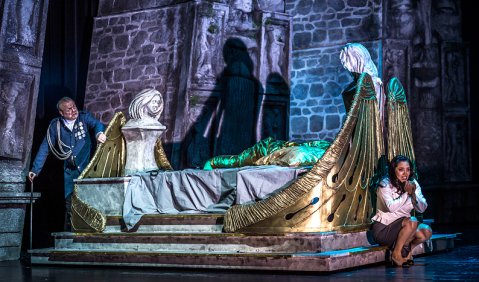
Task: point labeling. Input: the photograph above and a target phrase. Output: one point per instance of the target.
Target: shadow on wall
(274, 112)
(239, 112)
(227, 123)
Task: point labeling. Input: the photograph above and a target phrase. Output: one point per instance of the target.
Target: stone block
(299, 125)
(105, 45)
(104, 194)
(332, 121)
(306, 112)
(9, 253)
(316, 123)
(121, 42)
(302, 40)
(12, 219)
(11, 239)
(300, 91)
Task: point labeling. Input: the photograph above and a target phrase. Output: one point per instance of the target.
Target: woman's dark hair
(392, 172)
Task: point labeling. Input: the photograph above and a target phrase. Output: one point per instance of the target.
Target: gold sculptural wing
(400, 140)
(334, 194)
(160, 156)
(108, 161)
(109, 158)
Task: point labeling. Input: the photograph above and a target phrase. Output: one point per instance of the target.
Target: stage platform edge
(197, 242)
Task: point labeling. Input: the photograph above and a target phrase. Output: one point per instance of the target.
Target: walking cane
(31, 219)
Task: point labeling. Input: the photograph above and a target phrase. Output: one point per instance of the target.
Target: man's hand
(101, 138)
(31, 176)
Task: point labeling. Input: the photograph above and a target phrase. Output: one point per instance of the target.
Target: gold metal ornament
(108, 161)
(400, 141)
(85, 218)
(110, 157)
(335, 193)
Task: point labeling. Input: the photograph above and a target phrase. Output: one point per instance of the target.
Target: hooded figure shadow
(228, 121)
(238, 104)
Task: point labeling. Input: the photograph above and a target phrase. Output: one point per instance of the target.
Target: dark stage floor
(460, 264)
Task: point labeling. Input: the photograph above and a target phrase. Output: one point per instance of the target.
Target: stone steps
(305, 261)
(233, 259)
(196, 241)
(213, 242)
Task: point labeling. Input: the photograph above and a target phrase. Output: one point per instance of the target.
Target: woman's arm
(386, 194)
(418, 200)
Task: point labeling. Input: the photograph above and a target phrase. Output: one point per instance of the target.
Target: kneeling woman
(397, 196)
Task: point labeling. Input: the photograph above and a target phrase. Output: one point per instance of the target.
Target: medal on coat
(79, 131)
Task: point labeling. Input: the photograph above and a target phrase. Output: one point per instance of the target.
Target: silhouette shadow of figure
(238, 104)
(228, 120)
(275, 108)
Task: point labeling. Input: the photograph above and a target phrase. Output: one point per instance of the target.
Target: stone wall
(207, 58)
(134, 51)
(320, 30)
(424, 48)
(417, 41)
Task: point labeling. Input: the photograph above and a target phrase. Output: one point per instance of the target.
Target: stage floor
(462, 264)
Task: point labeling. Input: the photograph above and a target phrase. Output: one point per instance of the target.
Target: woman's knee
(411, 223)
(425, 231)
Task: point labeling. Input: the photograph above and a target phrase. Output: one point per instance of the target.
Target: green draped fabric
(271, 151)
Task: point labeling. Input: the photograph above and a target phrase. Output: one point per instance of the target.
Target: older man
(68, 138)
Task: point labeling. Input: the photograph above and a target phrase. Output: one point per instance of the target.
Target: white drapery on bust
(356, 58)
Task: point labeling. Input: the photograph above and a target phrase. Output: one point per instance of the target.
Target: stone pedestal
(104, 194)
(12, 213)
(140, 146)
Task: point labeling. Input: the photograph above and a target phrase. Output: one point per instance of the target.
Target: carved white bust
(146, 108)
(142, 131)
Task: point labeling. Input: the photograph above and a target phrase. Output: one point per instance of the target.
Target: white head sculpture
(142, 131)
(356, 58)
(148, 104)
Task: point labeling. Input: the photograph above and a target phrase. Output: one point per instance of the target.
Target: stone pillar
(140, 146)
(22, 36)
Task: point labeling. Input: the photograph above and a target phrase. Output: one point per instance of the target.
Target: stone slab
(315, 262)
(14, 217)
(213, 242)
(168, 228)
(301, 261)
(210, 223)
(104, 194)
(14, 198)
(12, 239)
(9, 253)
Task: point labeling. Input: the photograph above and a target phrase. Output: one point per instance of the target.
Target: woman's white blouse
(391, 205)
